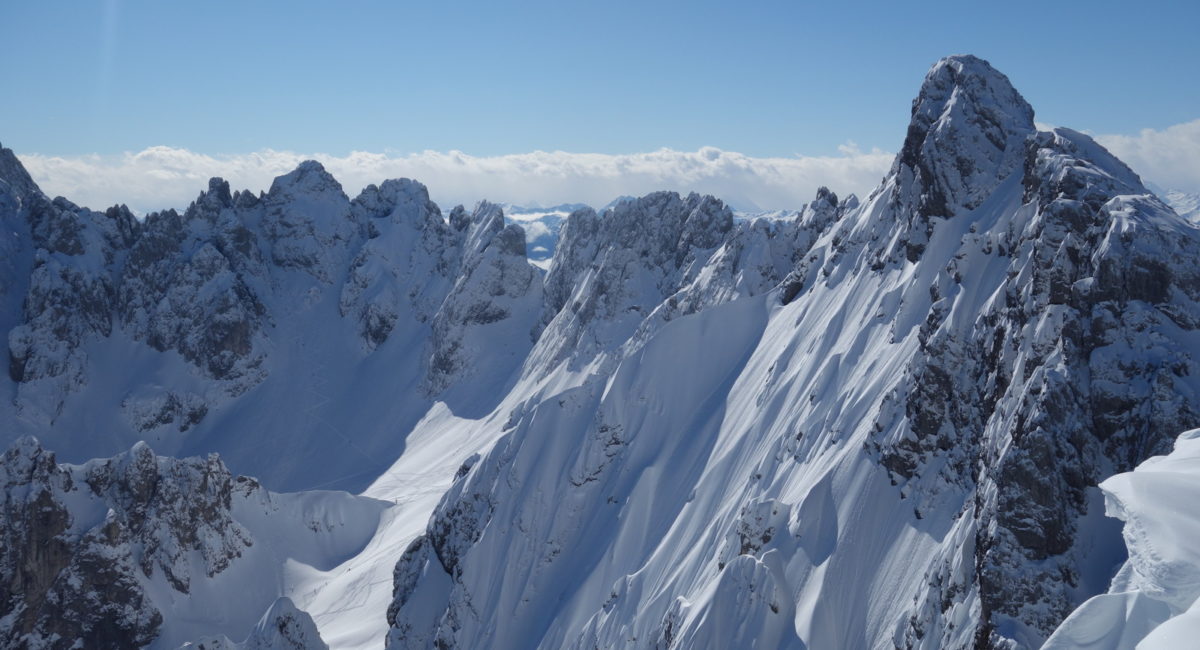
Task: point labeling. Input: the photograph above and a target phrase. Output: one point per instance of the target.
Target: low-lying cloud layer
(165, 177)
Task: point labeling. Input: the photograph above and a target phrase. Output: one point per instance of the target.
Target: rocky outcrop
(612, 271)
(83, 542)
(194, 283)
(69, 299)
(98, 554)
(967, 134)
(177, 283)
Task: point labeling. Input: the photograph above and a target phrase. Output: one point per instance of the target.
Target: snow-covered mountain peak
(400, 200)
(309, 176)
(218, 192)
(486, 221)
(826, 196)
(962, 87)
(496, 297)
(308, 220)
(656, 231)
(283, 627)
(212, 203)
(825, 208)
(965, 137)
(859, 425)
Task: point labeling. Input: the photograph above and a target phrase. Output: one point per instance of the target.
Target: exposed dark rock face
(179, 283)
(99, 555)
(211, 284)
(70, 298)
(1006, 321)
(967, 135)
(81, 543)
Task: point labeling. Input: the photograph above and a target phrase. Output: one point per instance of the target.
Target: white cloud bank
(1169, 157)
(164, 177)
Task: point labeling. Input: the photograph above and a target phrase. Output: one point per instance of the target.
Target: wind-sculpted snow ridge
(1151, 603)
(898, 447)
(144, 550)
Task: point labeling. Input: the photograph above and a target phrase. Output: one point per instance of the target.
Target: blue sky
(768, 79)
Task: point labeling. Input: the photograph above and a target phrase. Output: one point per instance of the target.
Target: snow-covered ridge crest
(205, 322)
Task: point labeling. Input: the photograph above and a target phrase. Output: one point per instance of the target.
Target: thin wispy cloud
(164, 177)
